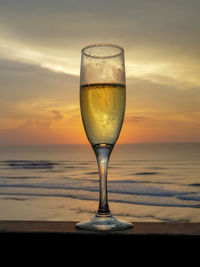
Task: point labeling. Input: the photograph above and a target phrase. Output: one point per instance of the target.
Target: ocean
(146, 182)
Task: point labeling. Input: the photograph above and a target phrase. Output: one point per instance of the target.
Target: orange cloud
(57, 115)
(58, 129)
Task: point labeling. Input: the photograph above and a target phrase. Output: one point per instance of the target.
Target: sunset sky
(40, 49)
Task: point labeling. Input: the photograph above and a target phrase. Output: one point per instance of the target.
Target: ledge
(68, 228)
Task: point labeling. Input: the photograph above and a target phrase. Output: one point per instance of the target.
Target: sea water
(147, 179)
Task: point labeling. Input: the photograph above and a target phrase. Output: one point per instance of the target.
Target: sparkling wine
(102, 110)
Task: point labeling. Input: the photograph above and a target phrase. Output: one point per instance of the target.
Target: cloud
(42, 131)
(34, 125)
(28, 91)
(37, 125)
(158, 36)
(57, 115)
(137, 22)
(158, 27)
(41, 45)
(129, 118)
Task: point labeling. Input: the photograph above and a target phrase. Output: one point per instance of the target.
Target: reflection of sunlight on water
(133, 181)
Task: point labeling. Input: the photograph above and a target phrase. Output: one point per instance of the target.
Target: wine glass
(102, 101)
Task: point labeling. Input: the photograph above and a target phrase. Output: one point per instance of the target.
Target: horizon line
(81, 144)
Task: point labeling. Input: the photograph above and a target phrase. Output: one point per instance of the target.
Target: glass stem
(103, 152)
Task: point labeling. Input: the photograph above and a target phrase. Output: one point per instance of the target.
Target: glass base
(104, 223)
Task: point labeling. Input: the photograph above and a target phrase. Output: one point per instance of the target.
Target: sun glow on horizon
(40, 54)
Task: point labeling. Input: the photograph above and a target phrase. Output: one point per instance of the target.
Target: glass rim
(102, 45)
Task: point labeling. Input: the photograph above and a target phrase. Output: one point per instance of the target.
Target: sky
(40, 53)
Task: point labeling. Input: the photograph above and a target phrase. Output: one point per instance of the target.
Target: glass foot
(104, 223)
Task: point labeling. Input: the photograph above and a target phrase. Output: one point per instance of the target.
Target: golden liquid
(102, 109)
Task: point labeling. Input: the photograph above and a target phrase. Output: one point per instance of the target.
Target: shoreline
(49, 208)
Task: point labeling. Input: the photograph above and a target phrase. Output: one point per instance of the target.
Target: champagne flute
(102, 101)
